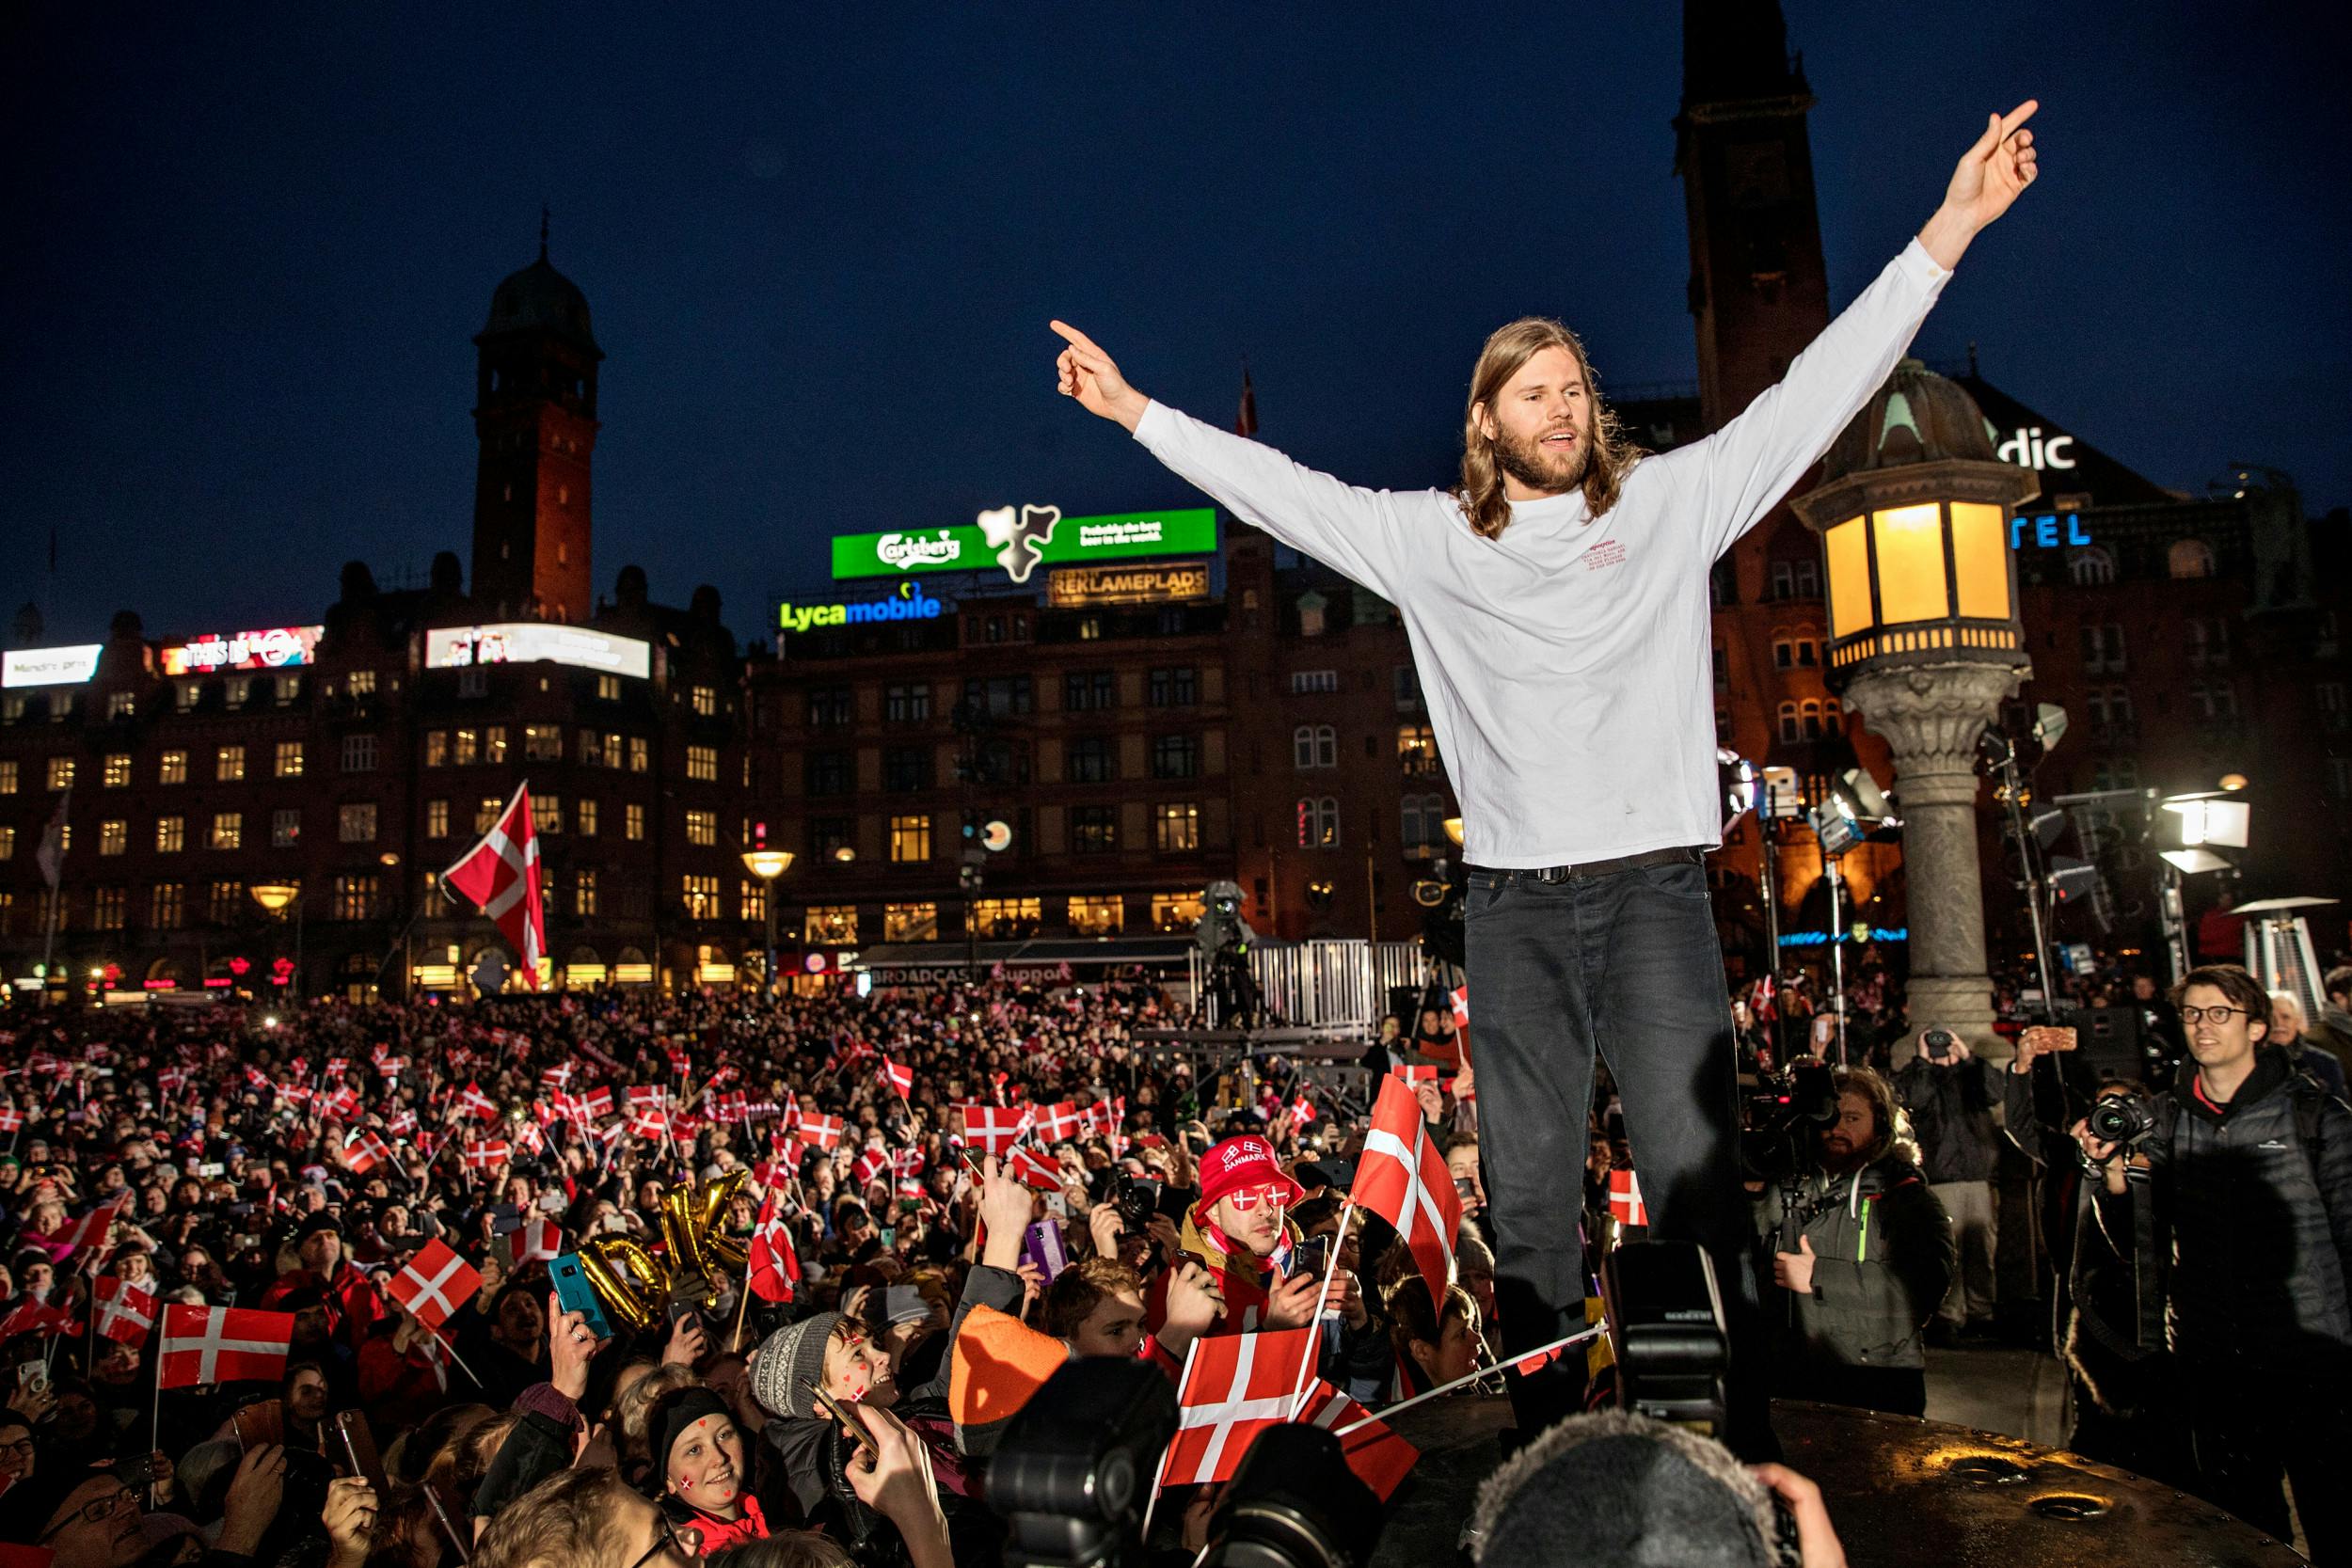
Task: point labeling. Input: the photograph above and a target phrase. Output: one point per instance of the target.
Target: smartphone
(211, 1168)
(259, 1424)
(138, 1474)
(359, 1450)
(573, 1294)
(33, 1376)
(834, 1408)
(1312, 1256)
(890, 1235)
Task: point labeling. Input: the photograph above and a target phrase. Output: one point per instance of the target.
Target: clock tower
(536, 416)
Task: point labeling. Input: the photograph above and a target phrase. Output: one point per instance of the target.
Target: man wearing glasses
(2243, 1218)
(94, 1522)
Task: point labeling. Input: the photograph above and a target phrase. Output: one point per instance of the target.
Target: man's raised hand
(1084, 372)
(1992, 174)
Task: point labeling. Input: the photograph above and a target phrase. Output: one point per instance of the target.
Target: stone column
(1931, 716)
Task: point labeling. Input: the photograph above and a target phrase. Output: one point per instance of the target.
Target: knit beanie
(671, 1416)
(787, 1361)
(1628, 1491)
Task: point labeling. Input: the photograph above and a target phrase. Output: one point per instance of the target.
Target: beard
(1532, 464)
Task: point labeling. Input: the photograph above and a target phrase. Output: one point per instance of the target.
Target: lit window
(584, 890)
(236, 690)
(1318, 822)
(228, 829)
(118, 770)
(702, 764)
(829, 925)
(289, 759)
(702, 827)
(289, 687)
(60, 773)
(355, 897)
(584, 818)
(486, 812)
(361, 683)
(114, 836)
(547, 814)
(1102, 915)
(166, 906)
(591, 749)
(706, 700)
(1175, 912)
(108, 909)
(910, 922)
(608, 691)
(640, 756)
(356, 823)
(2190, 558)
(171, 834)
(437, 748)
(494, 745)
(172, 769)
(465, 746)
(754, 897)
(542, 743)
(8, 843)
(185, 693)
(1007, 917)
(1176, 827)
(910, 839)
(7, 776)
(436, 819)
(1416, 750)
(701, 898)
(633, 821)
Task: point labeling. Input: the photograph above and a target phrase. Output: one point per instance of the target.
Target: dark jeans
(1626, 964)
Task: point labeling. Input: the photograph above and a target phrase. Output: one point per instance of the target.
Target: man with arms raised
(1557, 604)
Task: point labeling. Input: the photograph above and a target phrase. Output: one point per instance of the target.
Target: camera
(2121, 1118)
(1783, 1105)
(1139, 1199)
(1938, 1044)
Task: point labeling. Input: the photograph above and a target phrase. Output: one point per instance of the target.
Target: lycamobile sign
(909, 603)
(1019, 539)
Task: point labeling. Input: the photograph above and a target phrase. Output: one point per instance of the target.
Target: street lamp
(1912, 510)
(274, 897)
(768, 865)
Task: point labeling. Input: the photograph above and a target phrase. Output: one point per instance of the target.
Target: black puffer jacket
(1951, 1110)
(2259, 1225)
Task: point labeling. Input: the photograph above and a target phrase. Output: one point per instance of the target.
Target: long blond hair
(1512, 346)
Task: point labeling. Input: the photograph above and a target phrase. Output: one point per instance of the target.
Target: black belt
(1683, 855)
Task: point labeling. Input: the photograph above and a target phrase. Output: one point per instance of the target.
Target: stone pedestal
(1932, 715)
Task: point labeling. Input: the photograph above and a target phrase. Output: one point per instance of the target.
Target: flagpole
(1315, 1342)
(1464, 1381)
(1160, 1474)
(452, 1348)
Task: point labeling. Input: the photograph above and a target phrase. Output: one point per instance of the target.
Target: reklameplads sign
(1019, 539)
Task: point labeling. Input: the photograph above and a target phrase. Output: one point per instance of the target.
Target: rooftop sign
(530, 642)
(1019, 539)
(278, 648)
(51, 666)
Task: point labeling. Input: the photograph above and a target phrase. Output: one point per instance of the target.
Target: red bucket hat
(1245, 1160)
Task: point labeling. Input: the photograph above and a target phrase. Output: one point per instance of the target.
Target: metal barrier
(1326, 984)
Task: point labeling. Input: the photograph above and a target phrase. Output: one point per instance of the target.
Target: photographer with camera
(1861, 1253)
(1949, 1093)
(2242, 1220)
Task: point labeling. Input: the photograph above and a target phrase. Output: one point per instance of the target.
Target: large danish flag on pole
(1402, 1178)
(222, 1344)
(434, 1284)
(500, 876)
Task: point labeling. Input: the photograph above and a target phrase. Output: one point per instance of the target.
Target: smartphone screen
(573, 1294)
(358, 1450)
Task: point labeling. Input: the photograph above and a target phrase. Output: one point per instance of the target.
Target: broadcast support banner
(1019, 539)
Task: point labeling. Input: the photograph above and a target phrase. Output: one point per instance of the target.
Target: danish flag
(538, 1241)
(646, 1097)
(1410, 1075)
(390, 1067)
(1625, 1198)
(337, 1066)
(870, 1164)
(482, 1153)
(125, 1311)
(1461, 1007)
(596, 1104)
(222, 1344)
(87, 1231)
(342, 1103)
(1059, 1122)
(1235, 1387)
(1402, 1178)
(556, 1077)
(365, 1151)
(648, 1124)
(821, 1132)
(11, 1119)
(776, 1263)
(500, 876)
(992, 1129)
(1378, 1456)
(400, 1123)
(1033, 1169)
(434, 1284)
(475, 1103)
(897, 1077)
(33, 1317)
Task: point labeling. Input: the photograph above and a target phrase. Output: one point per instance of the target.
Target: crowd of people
(923, 1273)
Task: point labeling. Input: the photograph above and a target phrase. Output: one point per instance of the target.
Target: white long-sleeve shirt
(1566, 663)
